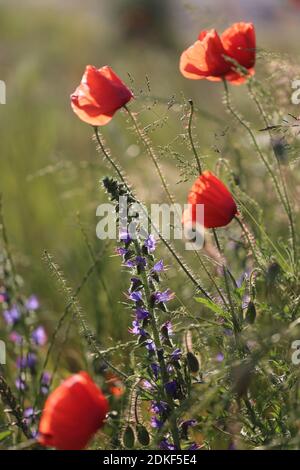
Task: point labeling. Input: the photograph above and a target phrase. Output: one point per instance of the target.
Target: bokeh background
(50, 172)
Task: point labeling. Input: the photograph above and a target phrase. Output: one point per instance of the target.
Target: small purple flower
(136, 296)
(125, 237)
(29, 361)
(45, 382)
(147, 385)
(46, 378)
(159, 407)
(220, 357)
(29, 416)
(149, 343)
(135, 283)
(166, 445)
(20, 384)
(39, 336)
(129, 263)
(155, 422)
(141, 314)
(16, 337)
(3, 297)
(150, 243)
(168, 326)
(158, 267)
(140, 262)
(164, 296)
(32, 303)
(12, 316)
(246, 301)
(194, 446)
(188, 423)
(155, 369)
(171, 388)
(121, 251)
(28, 413)
(136, 329)
(176, 355)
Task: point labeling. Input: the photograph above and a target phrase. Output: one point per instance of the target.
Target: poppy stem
(144, 139)
(186, 269)
(191, 137)
(248, 237)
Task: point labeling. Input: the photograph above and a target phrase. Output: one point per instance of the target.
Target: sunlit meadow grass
(51, 184)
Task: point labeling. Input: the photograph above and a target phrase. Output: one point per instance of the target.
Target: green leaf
(4, 435)
(212, 306)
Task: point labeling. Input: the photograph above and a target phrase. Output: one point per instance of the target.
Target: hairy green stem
(160, 355)
(145, 141)
(225, 272)
(197, 158)
(170, 248)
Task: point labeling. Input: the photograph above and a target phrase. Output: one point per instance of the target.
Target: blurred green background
(50, 170)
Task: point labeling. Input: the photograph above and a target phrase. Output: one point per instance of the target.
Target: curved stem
(170, 248)
(144, 139)
(191, 137)
(248, 237)
(225, 271)
(199, 166)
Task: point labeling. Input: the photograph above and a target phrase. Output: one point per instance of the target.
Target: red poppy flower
(219, 205)
(209, 57)
(72, 413)
(100, 94)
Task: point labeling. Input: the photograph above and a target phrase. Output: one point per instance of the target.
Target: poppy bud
(251, 313)
(100, 94)
(128, 437)
(143, 435)
(192, 362)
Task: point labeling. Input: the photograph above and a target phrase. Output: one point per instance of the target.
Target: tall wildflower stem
(145, 141)
(170, 248)
(10, 400)
(197, 158)
(199, 166)
(282, 177)
(6, 244)
(250, 241)
(236, 115)
(160, 354)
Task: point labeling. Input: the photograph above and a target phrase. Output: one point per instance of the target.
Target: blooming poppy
(219, 205)
(72, 413)
(217, 57)
(100, 94)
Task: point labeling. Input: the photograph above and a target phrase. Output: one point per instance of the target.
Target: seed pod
(142, 435)
(192, 362)
(251, 313)
(128, 437)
